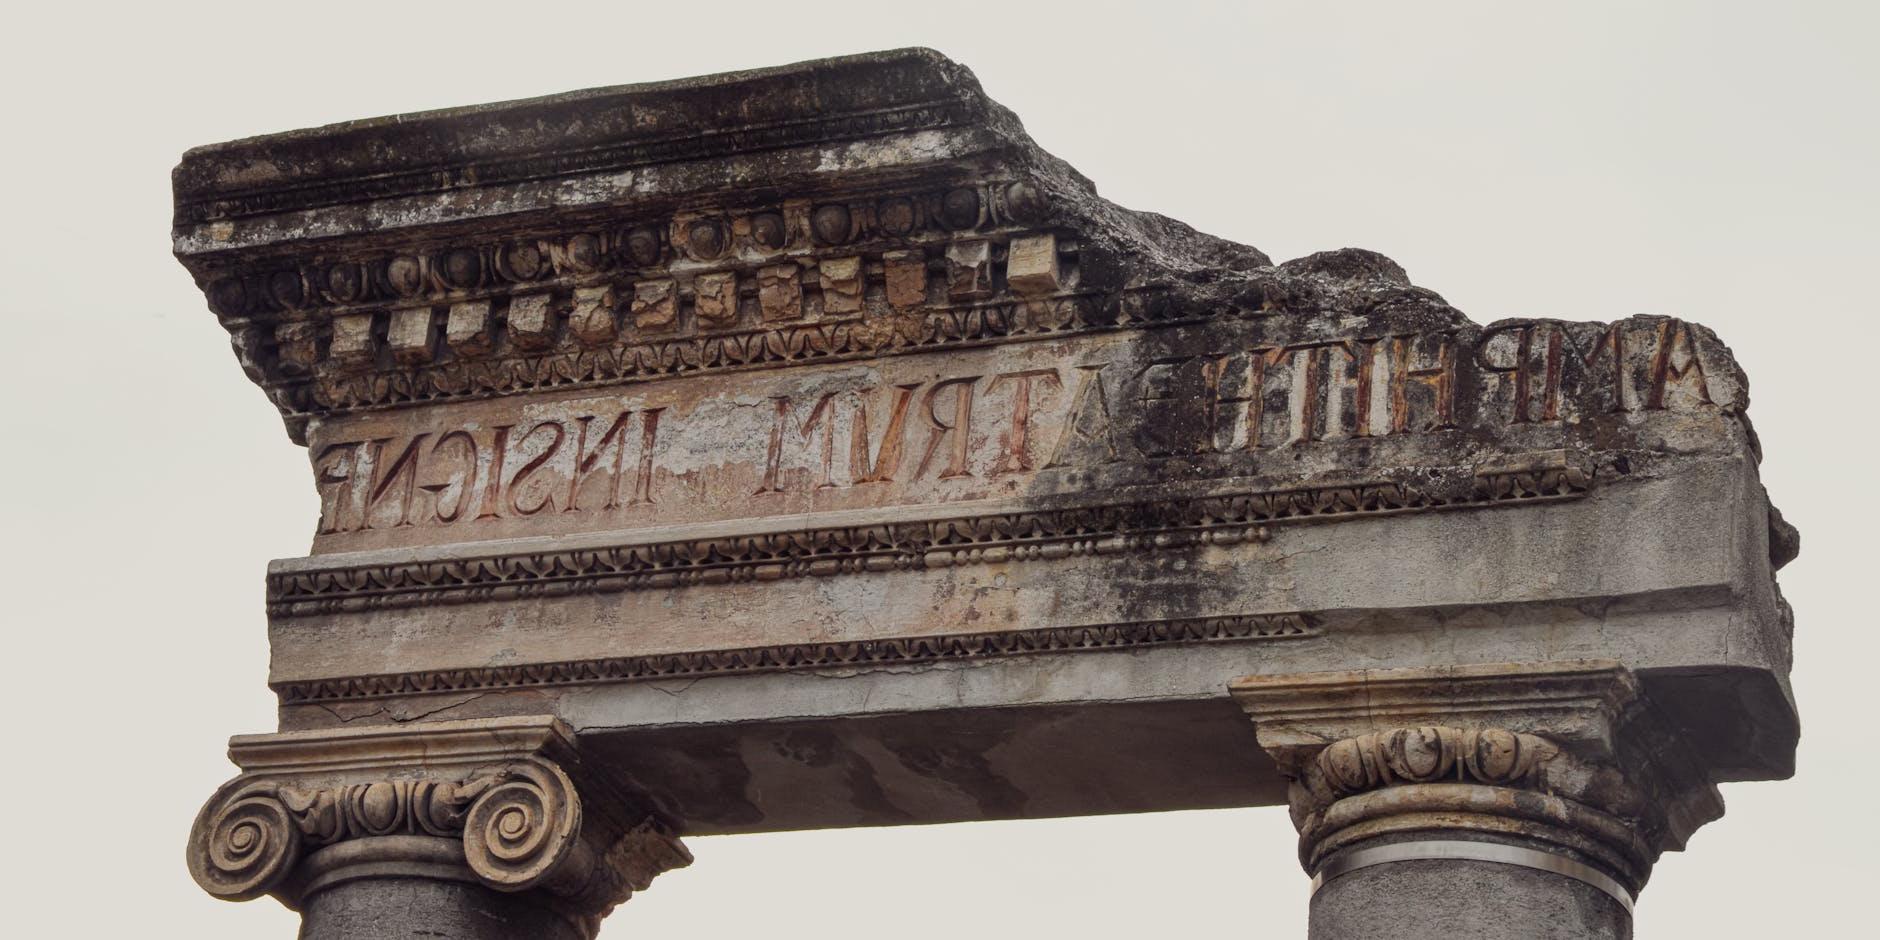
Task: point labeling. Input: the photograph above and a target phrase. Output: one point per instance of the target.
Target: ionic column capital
(1566, 758)
(504, 803)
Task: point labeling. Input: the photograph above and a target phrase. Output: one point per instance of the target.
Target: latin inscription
(1012, 421)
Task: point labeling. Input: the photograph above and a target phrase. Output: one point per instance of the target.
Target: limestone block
(531, 322)
(467, 330)
(1031, 264)
(841, 284)
(297, 344)
(715, 298)
(352, 345)
(655, 304)
(969, 269)
(779, 293)
(591, 320)
(906, 274)
(409, 335)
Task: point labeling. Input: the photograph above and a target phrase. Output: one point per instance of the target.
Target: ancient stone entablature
(820, 451)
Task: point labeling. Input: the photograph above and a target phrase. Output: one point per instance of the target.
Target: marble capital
(1569, 759)
(504, 804)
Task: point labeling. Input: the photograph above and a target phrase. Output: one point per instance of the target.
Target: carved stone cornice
(1566, 757)
(843, 209)
(500, 802)
(636, 298)
(599, 131)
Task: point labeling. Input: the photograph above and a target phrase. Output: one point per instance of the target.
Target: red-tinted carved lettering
(1665, 368)
(1439, 378)
(332, 480)
(404, 468)
(887, 459)
(819, 416)
(1087, 422)
(460, 482)
(493, 488)
(960, 428)
(649, 440)
(1017, 455)
(614, 437)
(557, 434)
(1519, 371)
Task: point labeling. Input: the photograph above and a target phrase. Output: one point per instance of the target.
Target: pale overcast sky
(1587, 160)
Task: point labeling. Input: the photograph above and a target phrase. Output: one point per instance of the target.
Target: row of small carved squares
(706, 240)
(827, 340)
(783, 658)
(993, 539)
(587, 160)
(602, 315)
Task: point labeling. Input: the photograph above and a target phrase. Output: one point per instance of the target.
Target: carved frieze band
(1041, 535)
(784, 658)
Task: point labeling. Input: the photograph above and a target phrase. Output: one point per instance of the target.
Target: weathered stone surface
(468, 329)
(1400, 778)
(1032, 264)
(715, 298)
(409, 908)
(825, 453)
(473, 811)
(1462, 900)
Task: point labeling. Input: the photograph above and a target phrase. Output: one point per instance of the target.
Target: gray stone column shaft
(1463, 900)
(411, 908)
(403, 887)
(1456, 899)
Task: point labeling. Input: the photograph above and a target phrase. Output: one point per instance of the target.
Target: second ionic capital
(1558, 760)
